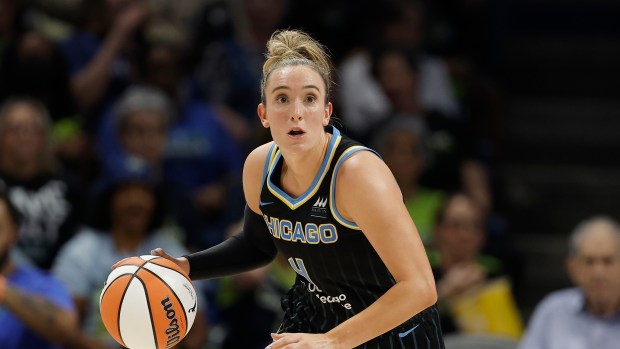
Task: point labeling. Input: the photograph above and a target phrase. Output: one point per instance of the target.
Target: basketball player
(334, 210)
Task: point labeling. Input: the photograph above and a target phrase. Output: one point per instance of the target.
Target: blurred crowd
(124, 125)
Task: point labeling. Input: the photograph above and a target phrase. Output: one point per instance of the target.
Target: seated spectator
(452, 160)
(202, 156)
(127, 222)
(134, 135)
(402, 144)
(36, 311)
(467, 280)
(49, 201)
(587, 315)
(363, 102)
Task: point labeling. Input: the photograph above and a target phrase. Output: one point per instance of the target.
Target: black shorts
(423, 331)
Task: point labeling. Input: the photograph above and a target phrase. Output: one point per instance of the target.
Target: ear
(329, 109)
(262, 115)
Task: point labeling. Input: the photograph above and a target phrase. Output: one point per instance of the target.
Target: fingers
(158, 252)
(282, 340)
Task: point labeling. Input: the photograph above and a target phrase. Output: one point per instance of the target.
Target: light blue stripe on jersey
(269, 161)
(294, 203)
(332, 191)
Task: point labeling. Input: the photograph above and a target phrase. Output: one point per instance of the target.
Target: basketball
(148, 302)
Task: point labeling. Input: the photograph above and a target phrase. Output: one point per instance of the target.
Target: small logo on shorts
(404, 334)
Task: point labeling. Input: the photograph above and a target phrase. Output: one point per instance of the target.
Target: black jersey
(339, 272)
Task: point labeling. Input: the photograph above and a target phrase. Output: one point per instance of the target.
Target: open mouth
(296, 132)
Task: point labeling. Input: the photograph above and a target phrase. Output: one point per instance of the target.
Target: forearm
(397, 305)
(40, 315)
(250, 249)
(90, 83)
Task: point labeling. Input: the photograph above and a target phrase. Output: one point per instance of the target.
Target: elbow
(426, 294)
(429, 292)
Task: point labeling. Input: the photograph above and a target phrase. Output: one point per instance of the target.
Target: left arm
(40, 315)
(381, 214)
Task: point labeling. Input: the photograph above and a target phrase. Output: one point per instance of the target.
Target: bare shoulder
(253, 174)
(365, 182)
(361, 167)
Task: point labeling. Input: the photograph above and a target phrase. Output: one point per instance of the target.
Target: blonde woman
(333, 209)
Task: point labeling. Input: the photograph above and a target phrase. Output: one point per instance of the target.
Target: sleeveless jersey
(339, 272)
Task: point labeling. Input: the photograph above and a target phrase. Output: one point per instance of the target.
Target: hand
(131, 16)
(301, 341)
(182, 262)
(459, 279)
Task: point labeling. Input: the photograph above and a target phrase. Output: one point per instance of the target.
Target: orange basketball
(148, 302)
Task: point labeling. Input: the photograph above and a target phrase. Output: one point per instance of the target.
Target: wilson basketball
(148, 302)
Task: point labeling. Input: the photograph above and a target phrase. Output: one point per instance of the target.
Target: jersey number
(298, 265)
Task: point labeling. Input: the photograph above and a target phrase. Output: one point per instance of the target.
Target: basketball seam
(163, 266)
(175, 295)
(148, 306)
(118, 318)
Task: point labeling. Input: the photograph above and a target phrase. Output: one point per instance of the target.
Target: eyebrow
(283, 87)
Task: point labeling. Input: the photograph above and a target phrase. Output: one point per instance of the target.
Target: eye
(281, 99)
(311, 98)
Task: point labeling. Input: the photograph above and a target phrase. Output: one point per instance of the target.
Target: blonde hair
(294, 47)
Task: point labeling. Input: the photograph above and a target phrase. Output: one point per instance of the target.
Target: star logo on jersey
(319, 209)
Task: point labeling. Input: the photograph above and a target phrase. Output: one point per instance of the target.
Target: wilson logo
(173, 327)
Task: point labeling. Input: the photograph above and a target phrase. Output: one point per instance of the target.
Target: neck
(604, 309)
(25, 170)
(299, 170)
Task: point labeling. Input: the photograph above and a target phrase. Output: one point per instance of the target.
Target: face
(8, 230)
(596, 267)
(396, 76)
(22, 138)
(132, 208)
(162, 69)
(403, 156)
(295, 108)
(144, 134)
(461, 232)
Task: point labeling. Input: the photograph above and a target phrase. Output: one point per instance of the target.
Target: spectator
(127, 222)
(230, 68)
(134, 138)
(99, 52)
(460, 269)
(33, 66)
(202, 157)
(36, 310)
(49, 201)
(452, 162)
(364, 104)
(587, 315)
(134, 135)
(402, 144)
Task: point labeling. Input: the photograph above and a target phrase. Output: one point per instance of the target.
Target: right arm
(251, 248)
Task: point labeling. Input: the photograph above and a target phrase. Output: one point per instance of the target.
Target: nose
(297, 111)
